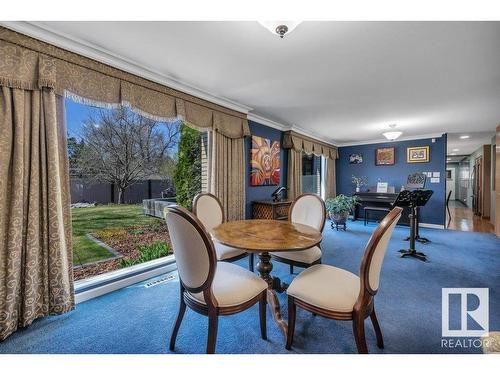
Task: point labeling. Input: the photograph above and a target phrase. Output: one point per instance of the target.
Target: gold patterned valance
(29, 63)
(300, 142)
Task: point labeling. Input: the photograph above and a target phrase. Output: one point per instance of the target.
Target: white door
(450, 183)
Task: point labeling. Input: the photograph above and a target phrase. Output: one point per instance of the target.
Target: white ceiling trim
(82, 47)
(276, 125)
(265, 121)
(384, 140)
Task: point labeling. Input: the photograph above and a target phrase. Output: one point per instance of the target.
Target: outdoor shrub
(187, 174)
(148, 252)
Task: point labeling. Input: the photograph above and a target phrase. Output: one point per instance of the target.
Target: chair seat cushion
(326, 287)
(225, 252)
(302, 256)
(233, 285)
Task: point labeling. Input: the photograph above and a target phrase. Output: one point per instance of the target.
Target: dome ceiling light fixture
(280, 28)
(393, 134)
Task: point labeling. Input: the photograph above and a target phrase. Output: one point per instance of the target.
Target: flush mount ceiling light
(280, 28)
(393, 134)
(464, 136)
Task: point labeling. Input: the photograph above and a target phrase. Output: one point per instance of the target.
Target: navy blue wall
(262, 192)
(396, 175)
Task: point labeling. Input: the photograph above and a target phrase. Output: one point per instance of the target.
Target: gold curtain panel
(299, 142)
(29, 63)
(228, 175)
(36, 277)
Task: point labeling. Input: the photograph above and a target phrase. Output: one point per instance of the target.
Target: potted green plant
(338, 209)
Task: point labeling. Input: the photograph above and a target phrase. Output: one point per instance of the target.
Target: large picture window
(124, 170)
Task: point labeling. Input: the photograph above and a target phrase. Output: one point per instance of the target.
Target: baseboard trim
(433, 226)
(109, 282)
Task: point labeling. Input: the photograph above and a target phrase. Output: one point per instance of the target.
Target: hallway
(463, 219)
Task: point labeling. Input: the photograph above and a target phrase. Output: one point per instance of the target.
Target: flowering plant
(359, 181)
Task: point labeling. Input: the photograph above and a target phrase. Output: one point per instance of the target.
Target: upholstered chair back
(193, 249)
(208, 210)
(376, 249)
(309, 209)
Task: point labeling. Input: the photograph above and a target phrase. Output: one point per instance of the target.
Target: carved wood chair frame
(291, 262)
(211, 308)
(364, 306)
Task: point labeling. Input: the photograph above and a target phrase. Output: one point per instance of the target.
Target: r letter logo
(473, 308)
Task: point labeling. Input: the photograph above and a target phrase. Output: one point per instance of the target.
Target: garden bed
(135, 244)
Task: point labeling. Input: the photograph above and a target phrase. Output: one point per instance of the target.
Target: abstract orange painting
(264, 162)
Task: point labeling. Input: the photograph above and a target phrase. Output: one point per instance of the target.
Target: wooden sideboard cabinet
(270, 210)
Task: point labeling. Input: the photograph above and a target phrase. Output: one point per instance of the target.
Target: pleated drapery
(36, 275)
(298, 143)
(31, 63)
(227, 178)
(331, 188)
(294, 176)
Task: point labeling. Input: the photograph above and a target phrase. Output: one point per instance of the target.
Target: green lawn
(89, 220)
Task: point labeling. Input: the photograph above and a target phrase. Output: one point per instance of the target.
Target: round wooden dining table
(263, 237)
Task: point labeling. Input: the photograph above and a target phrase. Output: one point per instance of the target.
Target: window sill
(102, 284)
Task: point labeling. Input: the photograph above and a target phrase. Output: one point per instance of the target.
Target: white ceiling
(459, 146)
(343, 81)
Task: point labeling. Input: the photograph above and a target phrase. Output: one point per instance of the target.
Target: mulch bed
(126, 241)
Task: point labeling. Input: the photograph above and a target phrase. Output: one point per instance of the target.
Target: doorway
(467, 204)
(450, 183)
(477, 186)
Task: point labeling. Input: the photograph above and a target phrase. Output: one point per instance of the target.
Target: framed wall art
(355, 158)
(264, 162)
(417, 154)
(385, 156)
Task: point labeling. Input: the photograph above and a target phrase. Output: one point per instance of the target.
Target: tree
(187, 175)
(167, 171)
(75, 150)
(122, 147)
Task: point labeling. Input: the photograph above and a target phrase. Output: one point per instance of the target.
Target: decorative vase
(339, 219)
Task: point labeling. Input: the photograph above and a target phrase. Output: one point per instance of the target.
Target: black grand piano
(383, 200)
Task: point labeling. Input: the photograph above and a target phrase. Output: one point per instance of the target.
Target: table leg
(264, 267)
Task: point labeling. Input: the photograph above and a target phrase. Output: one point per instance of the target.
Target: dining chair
(209, 287)
(338, 294)
(308, 209)
(208, 208)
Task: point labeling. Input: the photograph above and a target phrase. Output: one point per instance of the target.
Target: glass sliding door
(312, 173)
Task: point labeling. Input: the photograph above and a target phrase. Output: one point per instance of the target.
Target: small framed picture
(355, 158)
(417, 154)
(385, 156)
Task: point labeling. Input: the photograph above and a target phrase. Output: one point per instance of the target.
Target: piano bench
(376, 209)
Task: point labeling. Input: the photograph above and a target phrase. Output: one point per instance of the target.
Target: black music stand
(413, 199)
(417, 181)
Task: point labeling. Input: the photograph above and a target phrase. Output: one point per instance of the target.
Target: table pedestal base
(264, 267)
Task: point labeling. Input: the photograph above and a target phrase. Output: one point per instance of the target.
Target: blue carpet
(139, 320)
